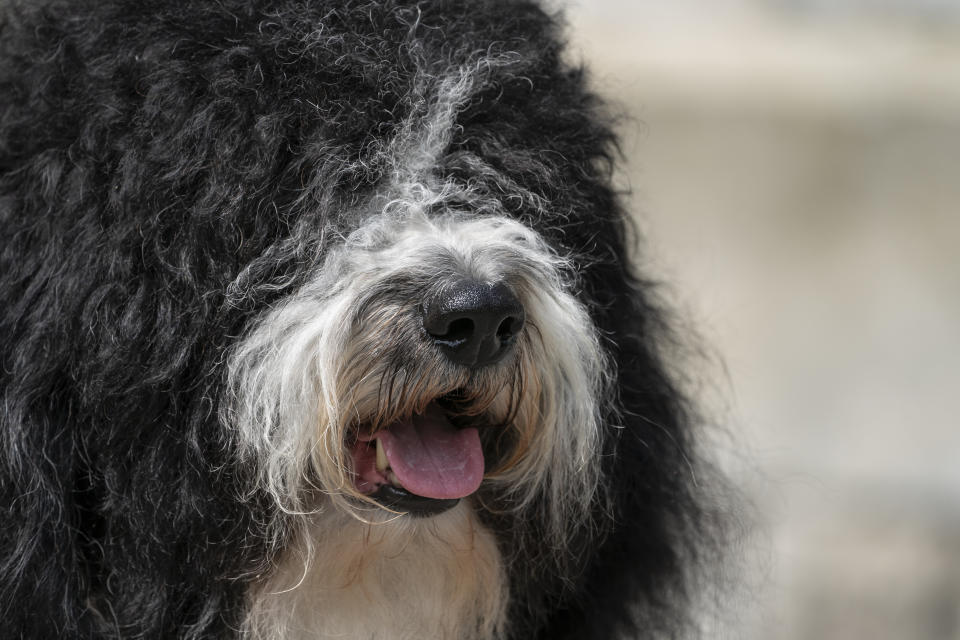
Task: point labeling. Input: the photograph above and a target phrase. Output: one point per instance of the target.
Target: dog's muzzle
(426, 463)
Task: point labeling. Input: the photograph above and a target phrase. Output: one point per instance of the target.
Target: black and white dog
(317, 322)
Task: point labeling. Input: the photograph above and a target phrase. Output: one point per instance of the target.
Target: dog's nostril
(474, 323)
(458, 330)
(509, 328)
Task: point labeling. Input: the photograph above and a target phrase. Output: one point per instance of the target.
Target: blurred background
(795, 166)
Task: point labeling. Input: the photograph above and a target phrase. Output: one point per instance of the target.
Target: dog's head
(437, 351)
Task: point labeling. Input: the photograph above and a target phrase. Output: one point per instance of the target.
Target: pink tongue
(432, 458)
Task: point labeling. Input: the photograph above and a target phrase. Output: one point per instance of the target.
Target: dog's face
(431, 354)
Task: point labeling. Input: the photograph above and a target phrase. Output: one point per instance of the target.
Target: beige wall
(797, 173)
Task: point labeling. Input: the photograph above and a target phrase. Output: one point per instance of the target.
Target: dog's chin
(421, 465)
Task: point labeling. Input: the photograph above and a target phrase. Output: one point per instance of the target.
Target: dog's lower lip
(397, 498)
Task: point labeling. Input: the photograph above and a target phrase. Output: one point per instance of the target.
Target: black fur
(166, 170)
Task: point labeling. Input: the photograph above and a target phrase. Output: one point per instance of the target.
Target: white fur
(439, 578)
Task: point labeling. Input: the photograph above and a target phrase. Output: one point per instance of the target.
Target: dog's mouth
(421, 465)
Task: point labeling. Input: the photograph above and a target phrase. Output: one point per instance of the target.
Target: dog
(319, 320)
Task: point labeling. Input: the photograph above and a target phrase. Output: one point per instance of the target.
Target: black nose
(474, 323)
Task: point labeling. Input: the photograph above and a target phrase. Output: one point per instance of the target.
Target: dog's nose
(474, 323)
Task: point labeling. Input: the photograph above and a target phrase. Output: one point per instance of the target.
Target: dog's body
(318, 323)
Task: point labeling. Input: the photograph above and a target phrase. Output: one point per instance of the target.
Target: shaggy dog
(318, 322)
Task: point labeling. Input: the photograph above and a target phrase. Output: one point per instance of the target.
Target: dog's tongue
(432, 458)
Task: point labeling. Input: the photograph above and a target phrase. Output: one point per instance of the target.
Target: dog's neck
(394, 578)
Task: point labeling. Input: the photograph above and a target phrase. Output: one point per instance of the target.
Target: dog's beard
(346, 357)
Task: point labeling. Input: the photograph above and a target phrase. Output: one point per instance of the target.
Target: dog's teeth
(382, 462)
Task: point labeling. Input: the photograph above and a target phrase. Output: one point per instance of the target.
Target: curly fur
(175, 179)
